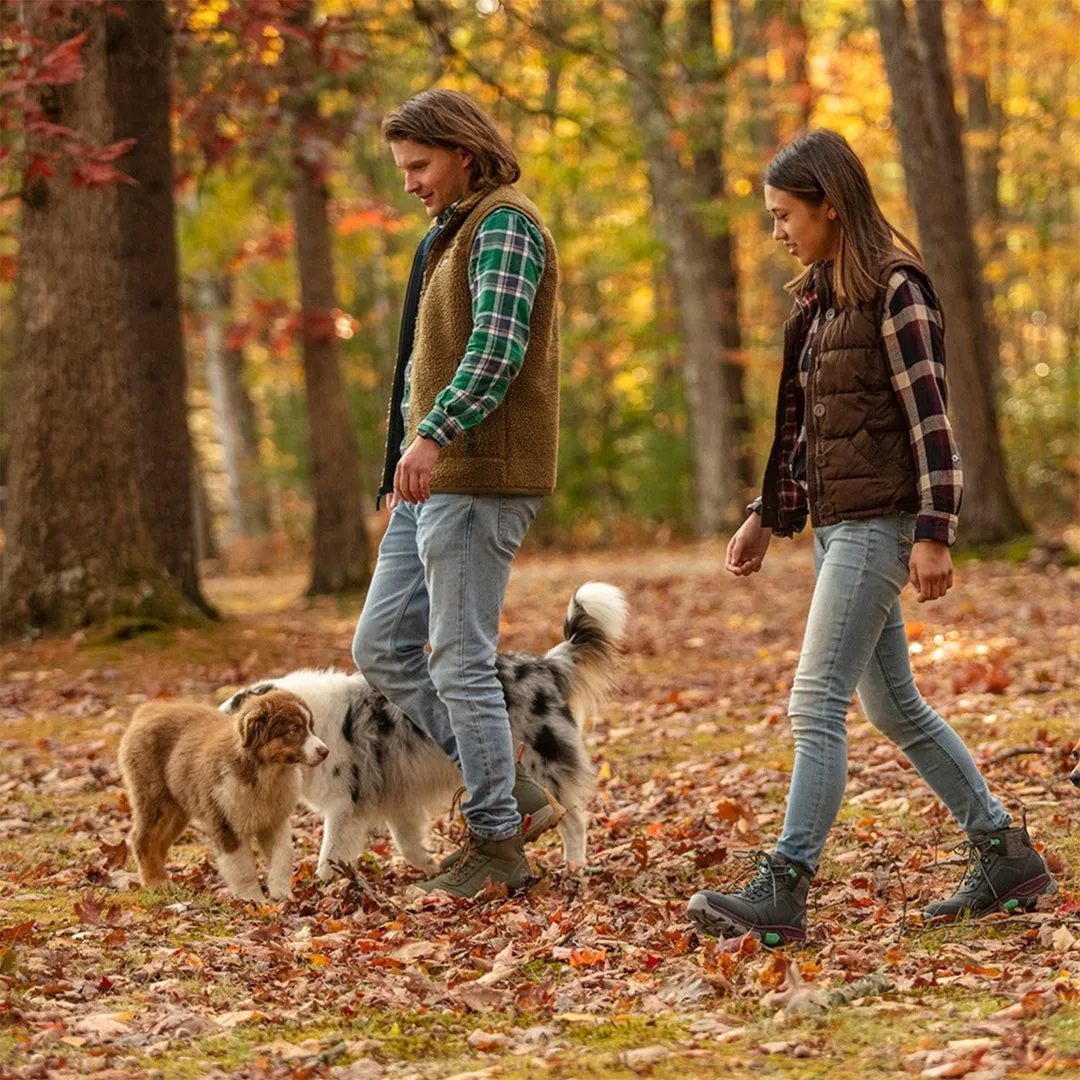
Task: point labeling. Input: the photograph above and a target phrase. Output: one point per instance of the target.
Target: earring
(832, 215)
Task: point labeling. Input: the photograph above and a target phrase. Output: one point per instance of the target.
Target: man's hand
(412, 477)
(746, 550)
(931, 569)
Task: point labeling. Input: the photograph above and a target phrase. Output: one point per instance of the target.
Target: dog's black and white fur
(382, 767)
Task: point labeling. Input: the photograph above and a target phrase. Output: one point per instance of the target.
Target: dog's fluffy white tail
(593, 632)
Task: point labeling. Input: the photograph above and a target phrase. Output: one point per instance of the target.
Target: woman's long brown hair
(451, 119)
(819, 166)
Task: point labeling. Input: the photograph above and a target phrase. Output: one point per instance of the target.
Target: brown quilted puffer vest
(858, 456)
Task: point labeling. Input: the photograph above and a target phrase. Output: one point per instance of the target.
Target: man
(472, 447)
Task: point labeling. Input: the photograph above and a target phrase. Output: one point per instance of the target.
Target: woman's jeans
(441, 578)
(855, 639)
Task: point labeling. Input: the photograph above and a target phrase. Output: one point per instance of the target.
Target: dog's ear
(233, 704)
(252, 723)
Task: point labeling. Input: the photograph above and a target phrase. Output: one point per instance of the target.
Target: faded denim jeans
(855, 639)
(441, 578)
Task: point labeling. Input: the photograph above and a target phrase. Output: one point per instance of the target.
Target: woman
(864, 447)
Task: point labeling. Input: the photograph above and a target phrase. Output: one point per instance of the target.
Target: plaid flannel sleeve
(505, 266)
(913, 340)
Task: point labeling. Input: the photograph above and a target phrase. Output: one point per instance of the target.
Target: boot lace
(465, 840)
(980, 857)
(455, 805)
(461, 868)
(763, 885)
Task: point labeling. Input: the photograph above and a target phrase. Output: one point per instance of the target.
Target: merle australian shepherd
(382, 767)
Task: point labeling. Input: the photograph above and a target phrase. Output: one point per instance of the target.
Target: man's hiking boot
(539, 811)
(480, 861)
(1003, 873)
(771, 906)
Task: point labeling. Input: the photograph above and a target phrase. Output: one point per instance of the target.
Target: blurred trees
(608, 101)
(270, 66)
(700, 258)
(341, 556)
(933, 155)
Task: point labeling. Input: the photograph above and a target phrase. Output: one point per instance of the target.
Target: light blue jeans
(855, 639)
(441, 578)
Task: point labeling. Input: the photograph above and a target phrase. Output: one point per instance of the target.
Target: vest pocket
(488, 438)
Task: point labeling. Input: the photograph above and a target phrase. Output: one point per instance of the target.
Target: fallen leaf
(644, 1057)
(104, 1025)
(951, 1068)
(587, 957)
(487, 1040)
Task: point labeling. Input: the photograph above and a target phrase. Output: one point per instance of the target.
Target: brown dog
(237, 777)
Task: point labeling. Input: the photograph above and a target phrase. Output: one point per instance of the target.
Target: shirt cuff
(937, 526)
(439, 427)
(755, 506)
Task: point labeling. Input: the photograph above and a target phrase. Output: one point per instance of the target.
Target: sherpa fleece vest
(513, 450)
(858, 455)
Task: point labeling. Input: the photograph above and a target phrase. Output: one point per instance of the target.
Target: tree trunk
(205, 542)
(341, 556)
(706, 79)
(341, 560)
(138, 50)
(247, 506)
(776, 113)
(984, 121)
(78, 551)
(715, 444)
(929, 130)
(773, 117)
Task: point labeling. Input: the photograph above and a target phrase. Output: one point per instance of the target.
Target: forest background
(642, 128)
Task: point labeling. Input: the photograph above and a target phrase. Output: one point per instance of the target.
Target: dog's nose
(322, 752)
(1074, 777)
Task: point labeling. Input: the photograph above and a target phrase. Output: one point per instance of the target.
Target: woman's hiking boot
(771, 906)
(1003, 873)
(480, 861)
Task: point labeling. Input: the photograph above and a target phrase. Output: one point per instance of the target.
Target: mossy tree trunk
(78, 550)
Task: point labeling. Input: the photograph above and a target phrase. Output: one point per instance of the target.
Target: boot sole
(547, 817)
(723, 924)
(1025, 896)
(512, 890)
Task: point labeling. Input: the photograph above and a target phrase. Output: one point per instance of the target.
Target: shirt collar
(447, 214)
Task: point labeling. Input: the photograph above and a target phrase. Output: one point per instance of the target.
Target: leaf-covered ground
(590, 976)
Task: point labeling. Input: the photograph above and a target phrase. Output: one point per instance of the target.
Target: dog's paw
(250, 896)
(280, 892)
(325, 872)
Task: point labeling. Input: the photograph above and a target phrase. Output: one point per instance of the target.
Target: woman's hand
(746, 550)
(931, 569)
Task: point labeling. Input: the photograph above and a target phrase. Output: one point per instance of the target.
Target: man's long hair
(452, 120)
(820, 165)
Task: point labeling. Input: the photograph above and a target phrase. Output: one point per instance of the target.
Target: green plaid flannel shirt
(505, 266)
